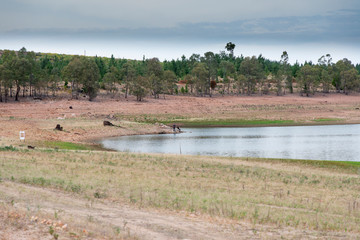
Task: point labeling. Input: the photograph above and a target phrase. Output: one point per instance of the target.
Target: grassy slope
(222, 121)
(303, 194)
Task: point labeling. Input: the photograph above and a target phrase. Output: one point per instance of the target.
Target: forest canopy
(28, 74)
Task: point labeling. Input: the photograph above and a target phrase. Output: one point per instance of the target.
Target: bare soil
(83, 121)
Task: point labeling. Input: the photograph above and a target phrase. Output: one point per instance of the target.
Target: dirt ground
(83, 122)
(318, 106)
(127, 221)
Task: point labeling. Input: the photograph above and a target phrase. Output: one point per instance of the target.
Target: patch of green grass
(8, 148)
(66, 145)
(352, 167)
(231, 122)
(326, 119)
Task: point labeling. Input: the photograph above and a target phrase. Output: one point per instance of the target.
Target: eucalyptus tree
(230, 48)
(350, 80)
(308, 79)
(200, 75)
(211, 64)
(284, 75)
(348, 75)
(155, 74)
(327, 72)
(190, 81)
(253, 72)
(84, 72)
(21, 69)
(90, 78)
(241, 82)
(111, 79)
(54, 79)
(128, 74)
(194, 58)
(7, 72)
(139, 87)
(169, 82)
(72, 73)
(228, 70)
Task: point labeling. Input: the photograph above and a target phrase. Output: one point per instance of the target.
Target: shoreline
(83, 122)
(184, 125)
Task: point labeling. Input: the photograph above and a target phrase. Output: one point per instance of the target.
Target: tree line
(24, 73)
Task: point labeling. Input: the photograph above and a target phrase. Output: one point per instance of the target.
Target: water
(335, 142)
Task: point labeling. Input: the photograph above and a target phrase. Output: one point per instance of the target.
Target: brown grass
(278, 194)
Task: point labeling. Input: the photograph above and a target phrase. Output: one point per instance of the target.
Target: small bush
(8, 148)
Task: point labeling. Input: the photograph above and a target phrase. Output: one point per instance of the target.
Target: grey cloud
(341, 27)
(17, 14)
(49, 23)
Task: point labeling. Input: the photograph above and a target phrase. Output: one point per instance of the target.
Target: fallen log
(107, 123)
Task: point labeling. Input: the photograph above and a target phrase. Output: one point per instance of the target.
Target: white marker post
(22, 135)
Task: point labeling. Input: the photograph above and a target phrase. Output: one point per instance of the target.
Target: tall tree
(346, 75)
(350, 80)
(285, 73)
(200, 75)
(211, 66)
(21, 69)
(128, 74)
(155, 74)
(7, 72)
(169, 81)
(241, 83)
(111, 78)
(326, 75)
(83, 71)
(189, 79)
(308, 79)
(139, 87)
(101, 65)
(230, 48)
(72, 73)
(228, 70)
(90, 78)
(252, 70)
(112, 62)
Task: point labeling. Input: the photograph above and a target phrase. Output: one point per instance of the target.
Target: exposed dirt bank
(82, 120)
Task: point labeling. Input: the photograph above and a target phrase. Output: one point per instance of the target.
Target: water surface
(335, 142)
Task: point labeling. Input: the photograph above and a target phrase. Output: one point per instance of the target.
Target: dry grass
(281, 194)
(31, 223)
(275, 194)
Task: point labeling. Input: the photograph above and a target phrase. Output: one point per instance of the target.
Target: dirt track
(141, 223)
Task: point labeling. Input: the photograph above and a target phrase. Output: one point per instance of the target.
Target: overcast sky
(167, 29)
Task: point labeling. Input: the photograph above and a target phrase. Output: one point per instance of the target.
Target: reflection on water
(339, 142)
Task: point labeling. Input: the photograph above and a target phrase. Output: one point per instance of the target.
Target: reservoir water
(331, 142)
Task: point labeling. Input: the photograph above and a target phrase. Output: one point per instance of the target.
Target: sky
(168, 29)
